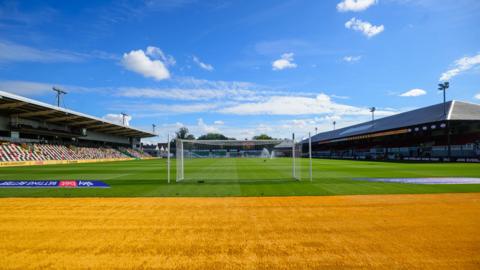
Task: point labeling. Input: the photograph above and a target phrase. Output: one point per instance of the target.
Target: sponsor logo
(68, 183)
(53, 184)
(85, 183)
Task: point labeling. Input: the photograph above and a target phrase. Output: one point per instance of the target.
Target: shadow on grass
(227, 182)
(237, 181)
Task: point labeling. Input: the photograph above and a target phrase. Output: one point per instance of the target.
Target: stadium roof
(32, 109)
(456, 110)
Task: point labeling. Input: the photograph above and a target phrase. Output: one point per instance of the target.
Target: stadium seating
(11, 152)
(134, 153)
(15, 152)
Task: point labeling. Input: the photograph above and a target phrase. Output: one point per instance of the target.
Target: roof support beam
(37, 113)
(63, 118)
(12, 105)
(97, 125)
(108, 128)
(83, 122)
(125, 132)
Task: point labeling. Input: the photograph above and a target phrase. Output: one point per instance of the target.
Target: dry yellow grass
(392, 231)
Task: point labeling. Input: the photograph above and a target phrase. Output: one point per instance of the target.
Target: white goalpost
(236, 160)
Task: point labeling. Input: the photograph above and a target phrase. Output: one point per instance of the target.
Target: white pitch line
(428, 180)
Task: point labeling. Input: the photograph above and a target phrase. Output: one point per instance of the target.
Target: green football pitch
(238, 177)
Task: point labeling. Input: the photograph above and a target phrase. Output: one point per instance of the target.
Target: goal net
(238, 161)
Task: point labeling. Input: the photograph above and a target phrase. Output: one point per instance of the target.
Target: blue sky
(241, 67)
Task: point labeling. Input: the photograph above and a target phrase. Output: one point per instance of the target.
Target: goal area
(238, 161)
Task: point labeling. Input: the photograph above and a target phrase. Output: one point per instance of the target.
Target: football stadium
(214, 153)
(46, 145)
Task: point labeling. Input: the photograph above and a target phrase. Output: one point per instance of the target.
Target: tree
(214, 136)
(184, 133)
(262, 137)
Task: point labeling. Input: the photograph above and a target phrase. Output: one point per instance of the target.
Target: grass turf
(238, 177)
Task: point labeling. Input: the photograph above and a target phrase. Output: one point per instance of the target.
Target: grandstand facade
(442, 132)
(35, 131)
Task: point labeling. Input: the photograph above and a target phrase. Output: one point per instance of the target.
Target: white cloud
(285, 104)
(204, 128)
(154, 66)
(296, 105)
(237, 98)
(12, 52)
(339, 97)
(159, 109)
(189, 93)
(461, 65)
(201, 83)
(263, 128)
(164, 130)
(25, 88)
(191, 89)
(355, 5)
(201, 64)
(414, 93)
(477, 96)
(352, 59)
(302, 126)
(277, 128)
(199, 127)
(366, 28)
(285, 61)
(219, 122)
(157, 53)
(118, 119)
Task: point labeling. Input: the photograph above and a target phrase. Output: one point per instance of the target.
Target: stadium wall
(4, 123)
(97, 136)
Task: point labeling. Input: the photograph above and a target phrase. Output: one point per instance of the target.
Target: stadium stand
(38, 152)
(135, 153)
(441, 132)
(35, 131)
(153, 150)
